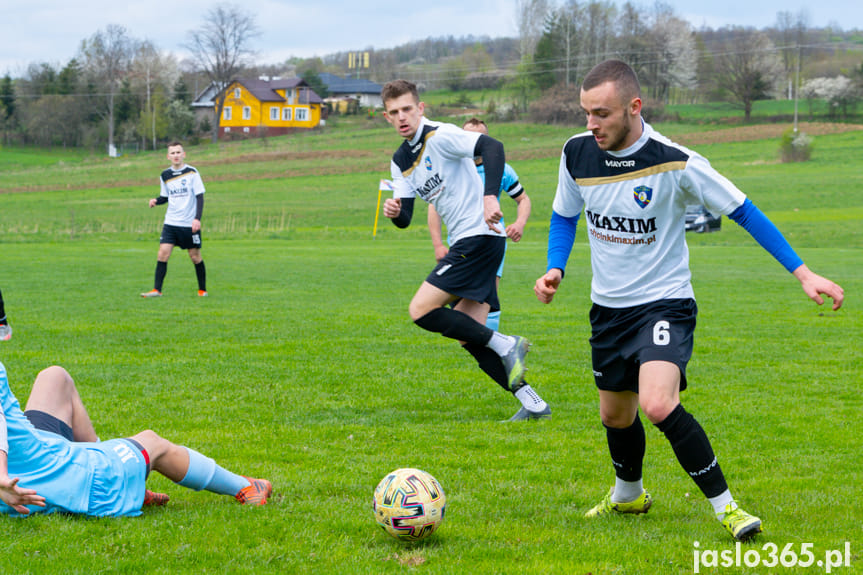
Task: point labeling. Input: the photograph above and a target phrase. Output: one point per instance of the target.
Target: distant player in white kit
(182, 189)
(436, 163)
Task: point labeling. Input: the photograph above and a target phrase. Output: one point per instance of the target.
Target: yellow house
(257, 106)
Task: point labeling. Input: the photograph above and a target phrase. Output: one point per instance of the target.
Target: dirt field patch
(760, 132)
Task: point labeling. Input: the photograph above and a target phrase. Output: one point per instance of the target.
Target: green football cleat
(740, 524)
(513, 363)
(607, 506)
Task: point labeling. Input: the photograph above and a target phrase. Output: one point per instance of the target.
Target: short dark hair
(175, 143)
(616, 71)
(397, 89)
(475, 122)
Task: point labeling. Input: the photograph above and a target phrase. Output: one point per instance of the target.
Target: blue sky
(51, 30)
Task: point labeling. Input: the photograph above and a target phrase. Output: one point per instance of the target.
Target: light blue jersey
(509, 183)
(104, 479)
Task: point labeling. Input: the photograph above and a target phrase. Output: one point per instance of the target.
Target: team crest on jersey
(642, 195)
(428, 163)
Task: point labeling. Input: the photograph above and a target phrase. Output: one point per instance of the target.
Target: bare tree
(221, 47)
(675, 56)
(749, 69)
(106, 56)
(634, 40)
(54, 120)
(598, 30)
(530, 20)
(152, 70)
(791, 36)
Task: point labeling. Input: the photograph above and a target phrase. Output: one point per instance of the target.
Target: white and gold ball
(409, 504)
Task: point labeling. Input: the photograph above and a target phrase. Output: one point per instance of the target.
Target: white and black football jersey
(634, 204)
(437, 166)
(181, 188)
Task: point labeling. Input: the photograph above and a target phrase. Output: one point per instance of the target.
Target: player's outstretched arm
(815, 286)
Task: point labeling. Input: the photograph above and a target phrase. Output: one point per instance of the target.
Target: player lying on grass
(51, 459)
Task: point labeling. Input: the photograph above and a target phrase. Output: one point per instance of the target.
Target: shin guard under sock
(490, 363)
(205, 473)
(455, 325)
(201, 273)
(627, 447)
(693, 451)
(161, 270)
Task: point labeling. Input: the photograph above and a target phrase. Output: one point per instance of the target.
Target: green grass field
(303, 367)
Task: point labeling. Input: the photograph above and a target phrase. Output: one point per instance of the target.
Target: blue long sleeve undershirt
(561, 235)
(753, 220)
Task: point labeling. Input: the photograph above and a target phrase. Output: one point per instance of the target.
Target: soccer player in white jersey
(182, 189)
(514, 231)
(51, 460)
(436, 163)
(634, 185)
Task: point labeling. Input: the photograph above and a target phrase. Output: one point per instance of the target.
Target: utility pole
(568, 18)
(797, 89)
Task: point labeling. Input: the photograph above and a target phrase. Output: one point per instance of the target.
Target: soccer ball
(409, 504)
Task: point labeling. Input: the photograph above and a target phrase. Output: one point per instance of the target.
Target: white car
(699, 220)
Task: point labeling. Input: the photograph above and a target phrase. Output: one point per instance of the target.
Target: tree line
(117, 88)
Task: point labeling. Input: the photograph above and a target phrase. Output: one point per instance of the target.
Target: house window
(286, 114)
(290, 95)
(274, 113)
(237, 93)
(247, 113)
(302, 115)
(226, 113)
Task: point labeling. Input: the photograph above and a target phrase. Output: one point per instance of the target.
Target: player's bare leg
(194, 470)
(54, 392)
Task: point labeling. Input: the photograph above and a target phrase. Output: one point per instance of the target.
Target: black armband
(403, 220)
(161, 200)
(493, 160)
(199, 206)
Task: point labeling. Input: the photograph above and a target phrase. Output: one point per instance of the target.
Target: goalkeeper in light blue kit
(510, 184)
(51, 460)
